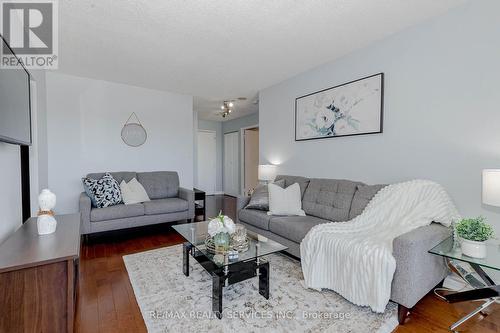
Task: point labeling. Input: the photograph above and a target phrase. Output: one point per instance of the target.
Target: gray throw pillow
(260, 196)
(363, 195)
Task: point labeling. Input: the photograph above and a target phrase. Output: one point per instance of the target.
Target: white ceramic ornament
(46, 223)
(46, 200)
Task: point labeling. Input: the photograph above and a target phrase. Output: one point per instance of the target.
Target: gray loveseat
(327, 200)
(169, 203)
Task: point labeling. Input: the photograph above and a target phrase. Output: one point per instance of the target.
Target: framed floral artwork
(353, 108)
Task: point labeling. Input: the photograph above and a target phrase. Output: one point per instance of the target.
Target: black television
(15, 102)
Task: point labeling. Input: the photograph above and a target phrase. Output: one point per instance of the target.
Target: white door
(231, 165)
(207, 154)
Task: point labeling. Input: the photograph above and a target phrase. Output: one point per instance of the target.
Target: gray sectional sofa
(169, 203)
(327, 200)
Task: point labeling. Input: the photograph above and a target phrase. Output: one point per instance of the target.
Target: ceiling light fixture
(227, 108)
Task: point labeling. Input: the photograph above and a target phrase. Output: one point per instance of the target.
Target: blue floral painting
(350, 109)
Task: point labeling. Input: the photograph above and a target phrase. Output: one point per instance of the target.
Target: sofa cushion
(257, 218)
(116, 212)
(290, 180)
(165, 206)
(329, 199)
(160, 184)
(362, 196)
(294, 228)
(118, 176)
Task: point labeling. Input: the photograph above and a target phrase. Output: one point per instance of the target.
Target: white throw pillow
(285, 201)
(133, 192)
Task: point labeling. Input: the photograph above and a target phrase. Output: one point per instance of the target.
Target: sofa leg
(403, 313)
(189, 220)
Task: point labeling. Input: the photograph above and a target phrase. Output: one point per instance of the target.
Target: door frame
(242, 156)
(197, 161)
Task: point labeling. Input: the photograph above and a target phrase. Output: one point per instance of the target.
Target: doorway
(250, 159)
(207, 161)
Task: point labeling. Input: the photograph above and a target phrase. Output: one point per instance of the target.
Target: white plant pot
(473, 249)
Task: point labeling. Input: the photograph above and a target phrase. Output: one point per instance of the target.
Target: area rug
(172, 302)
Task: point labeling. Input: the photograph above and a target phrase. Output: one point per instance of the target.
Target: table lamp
(491, 187)
(267, 173)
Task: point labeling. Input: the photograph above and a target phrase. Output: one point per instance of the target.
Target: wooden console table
(39, 277)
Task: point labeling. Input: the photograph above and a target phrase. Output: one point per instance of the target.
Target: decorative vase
(240, 235)
(473, 249)
(221, 242)
(46, 223)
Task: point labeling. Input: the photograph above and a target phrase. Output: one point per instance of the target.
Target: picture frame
(349, 109)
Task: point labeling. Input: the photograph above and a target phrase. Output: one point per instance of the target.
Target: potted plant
(220, 228)
(473, 233)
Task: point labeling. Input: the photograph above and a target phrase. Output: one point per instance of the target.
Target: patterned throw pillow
(103, 192)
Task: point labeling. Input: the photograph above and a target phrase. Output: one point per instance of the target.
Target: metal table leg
(217, 290)
(186, 248)
(264, 279)
(472, 314)
(490, 293)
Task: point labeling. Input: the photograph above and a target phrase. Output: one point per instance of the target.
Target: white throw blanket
(355, 258)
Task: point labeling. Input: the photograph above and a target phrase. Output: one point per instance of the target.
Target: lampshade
(491, 187)
(267, 172)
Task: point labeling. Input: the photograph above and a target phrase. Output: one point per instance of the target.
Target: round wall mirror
(134, 134)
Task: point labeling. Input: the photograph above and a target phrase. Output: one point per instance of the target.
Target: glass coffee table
(226, 272)
(484, 287)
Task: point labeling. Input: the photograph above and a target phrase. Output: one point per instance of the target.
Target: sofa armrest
(188, 195)
(85, 208)
(241, 202)
(417, 271)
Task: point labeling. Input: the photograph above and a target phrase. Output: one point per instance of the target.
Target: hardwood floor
(106, 301)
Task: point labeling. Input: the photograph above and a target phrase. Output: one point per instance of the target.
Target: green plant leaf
(474, 229)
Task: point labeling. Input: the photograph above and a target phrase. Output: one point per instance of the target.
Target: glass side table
(483, 290)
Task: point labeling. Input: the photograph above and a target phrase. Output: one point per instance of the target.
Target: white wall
(38, 149)
(441, 117)
(41, 128)
(236, 124)
(84, 121)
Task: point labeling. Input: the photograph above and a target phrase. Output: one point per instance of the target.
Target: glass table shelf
(249, 264)
(196, 233)
(451, 250)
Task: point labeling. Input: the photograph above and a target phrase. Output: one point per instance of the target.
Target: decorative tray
(242, 247)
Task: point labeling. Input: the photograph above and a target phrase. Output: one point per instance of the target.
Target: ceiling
(209, 108)
(222, 49)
